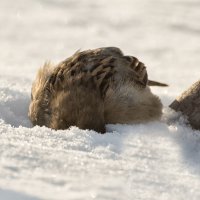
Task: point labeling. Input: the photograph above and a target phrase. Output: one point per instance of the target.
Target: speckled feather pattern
(92, 88)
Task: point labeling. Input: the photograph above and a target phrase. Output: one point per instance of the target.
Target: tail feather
(155, 83)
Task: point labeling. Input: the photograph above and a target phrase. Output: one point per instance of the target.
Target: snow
(158, 160)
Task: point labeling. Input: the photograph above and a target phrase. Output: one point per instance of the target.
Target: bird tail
(155, 83)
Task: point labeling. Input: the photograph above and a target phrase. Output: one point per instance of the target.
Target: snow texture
(158, 160)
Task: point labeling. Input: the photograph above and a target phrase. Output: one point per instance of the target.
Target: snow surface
(158, 160)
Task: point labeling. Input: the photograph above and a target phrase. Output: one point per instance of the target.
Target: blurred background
(164, 34)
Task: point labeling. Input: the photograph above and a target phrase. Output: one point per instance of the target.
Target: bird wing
(128, 67)
(102, 64)
(75, 71)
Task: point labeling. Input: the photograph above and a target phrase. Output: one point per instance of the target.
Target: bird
(93, 88)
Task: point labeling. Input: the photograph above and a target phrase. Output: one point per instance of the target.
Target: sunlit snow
(158, 160)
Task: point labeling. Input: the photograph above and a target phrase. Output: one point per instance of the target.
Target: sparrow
(93, 88)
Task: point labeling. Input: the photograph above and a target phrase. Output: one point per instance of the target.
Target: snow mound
(13, 107)
(158, 158)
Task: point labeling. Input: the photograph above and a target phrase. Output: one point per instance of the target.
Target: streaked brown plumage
(93, 88)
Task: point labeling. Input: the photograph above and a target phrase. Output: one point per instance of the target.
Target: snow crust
(158, 160)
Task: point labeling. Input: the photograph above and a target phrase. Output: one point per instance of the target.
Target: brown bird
(93, 88)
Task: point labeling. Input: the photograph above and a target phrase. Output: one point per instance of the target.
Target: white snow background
(158, 160)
